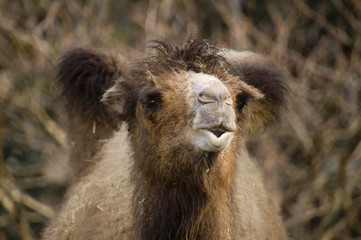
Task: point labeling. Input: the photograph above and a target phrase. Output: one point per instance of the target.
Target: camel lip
(215, 139)
(216, 130)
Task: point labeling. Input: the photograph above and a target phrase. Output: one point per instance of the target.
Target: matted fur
(149, 181)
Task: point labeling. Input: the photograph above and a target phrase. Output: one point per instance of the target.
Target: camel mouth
(218, 132)
(213, 139)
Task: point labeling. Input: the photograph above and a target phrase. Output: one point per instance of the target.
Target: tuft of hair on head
(196, 55)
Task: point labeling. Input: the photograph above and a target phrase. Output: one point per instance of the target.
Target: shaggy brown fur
(149, 180)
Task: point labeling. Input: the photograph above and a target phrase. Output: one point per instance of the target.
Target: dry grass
(312, 159)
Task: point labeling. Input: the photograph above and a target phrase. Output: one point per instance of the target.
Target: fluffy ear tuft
(265, 82)
(83, 76)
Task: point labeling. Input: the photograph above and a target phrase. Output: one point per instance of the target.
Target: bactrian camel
(158, 146)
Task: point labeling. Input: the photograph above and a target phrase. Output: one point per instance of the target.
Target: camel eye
(242, 99)
(152, 102)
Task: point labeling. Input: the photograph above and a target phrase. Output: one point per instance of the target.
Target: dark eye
(152, 102)
(242, 99)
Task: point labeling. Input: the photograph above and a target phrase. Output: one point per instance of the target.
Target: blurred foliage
(311, 160)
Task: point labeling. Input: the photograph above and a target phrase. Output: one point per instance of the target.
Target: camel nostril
(217, 132)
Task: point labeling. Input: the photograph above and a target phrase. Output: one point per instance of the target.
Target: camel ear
(115, 97)
(263, 89)
(83, 76)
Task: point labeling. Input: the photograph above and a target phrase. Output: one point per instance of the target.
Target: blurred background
(311, 159)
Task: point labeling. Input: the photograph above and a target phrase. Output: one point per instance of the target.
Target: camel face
(188, 111)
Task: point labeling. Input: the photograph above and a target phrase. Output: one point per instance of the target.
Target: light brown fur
(150, 180)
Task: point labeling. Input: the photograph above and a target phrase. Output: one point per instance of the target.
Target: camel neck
(196, 206)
